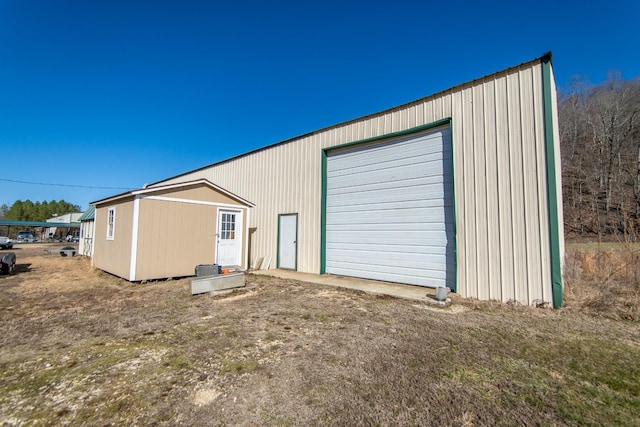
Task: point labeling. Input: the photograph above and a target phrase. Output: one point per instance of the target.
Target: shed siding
(168, 233)
(195, 193)
(114, 255)
(167, 243)
(500, 180)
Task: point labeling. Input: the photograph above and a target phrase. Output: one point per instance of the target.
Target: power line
(64, 185)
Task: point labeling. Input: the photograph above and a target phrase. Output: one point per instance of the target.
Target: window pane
(227, 226)
(111, 219)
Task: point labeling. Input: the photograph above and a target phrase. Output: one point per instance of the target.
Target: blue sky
(117, 94)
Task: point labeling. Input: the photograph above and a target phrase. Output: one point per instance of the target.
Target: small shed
(166, 231)
(87, 229)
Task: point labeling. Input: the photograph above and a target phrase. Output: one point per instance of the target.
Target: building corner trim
(552, 193)
(455, 222)
(323, 215)
(134, 239)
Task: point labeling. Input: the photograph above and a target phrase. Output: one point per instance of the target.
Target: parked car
(8, 263)
(25, 236)
(5, 242)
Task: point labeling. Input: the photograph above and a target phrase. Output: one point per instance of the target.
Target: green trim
(297, 225)
(455, 222)
(323, 201)
(552, 194)
(39, 223)
(278, 244)
(410, 131)
(278, 250)
(323, 215)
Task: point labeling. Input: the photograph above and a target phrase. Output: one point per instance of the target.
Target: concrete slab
(414, 293)
(200, 285)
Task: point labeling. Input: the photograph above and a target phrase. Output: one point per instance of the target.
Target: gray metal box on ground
(208, 270)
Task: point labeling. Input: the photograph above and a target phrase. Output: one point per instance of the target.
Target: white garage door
(389, 212)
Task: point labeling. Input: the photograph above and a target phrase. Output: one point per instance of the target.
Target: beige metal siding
(114, 255)
(500, 182)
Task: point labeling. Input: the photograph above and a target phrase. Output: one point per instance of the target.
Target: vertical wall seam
(514, 284)
(471, 145)
(498, 195)
(463, 185)
(523, 189)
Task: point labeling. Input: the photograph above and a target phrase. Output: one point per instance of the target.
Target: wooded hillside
(600, 144)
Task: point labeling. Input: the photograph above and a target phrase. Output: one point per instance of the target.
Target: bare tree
(600, 141)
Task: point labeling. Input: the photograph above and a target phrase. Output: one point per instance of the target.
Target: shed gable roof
(161, 188)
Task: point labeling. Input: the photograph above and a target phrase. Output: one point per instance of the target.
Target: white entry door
(229, 243)
(287, 241)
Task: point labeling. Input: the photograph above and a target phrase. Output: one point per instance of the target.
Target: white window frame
(111, 223)
(225, 234)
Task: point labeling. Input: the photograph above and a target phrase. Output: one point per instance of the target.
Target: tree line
(600, 152)
(38, 211)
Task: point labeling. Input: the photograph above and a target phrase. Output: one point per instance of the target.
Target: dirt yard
(80, 347)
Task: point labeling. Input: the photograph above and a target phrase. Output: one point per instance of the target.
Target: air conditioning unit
(208, 270)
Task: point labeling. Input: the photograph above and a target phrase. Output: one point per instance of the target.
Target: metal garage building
(461, 188)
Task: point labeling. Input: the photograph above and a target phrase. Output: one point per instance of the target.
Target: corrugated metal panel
(494, 289)
(519, 287)
(499, 166)
(504, 220)
(89, 214)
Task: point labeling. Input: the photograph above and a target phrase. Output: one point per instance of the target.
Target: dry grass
(604, 279)
(79, 347)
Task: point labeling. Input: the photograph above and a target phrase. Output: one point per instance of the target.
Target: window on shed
(111, 223)
(228, 231)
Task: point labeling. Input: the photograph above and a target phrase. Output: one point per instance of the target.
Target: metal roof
(149, 190)
(89, 214)
(40, 223)
(545, 57)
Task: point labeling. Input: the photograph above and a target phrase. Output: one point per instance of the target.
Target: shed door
(389, 211)
(229, 242)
